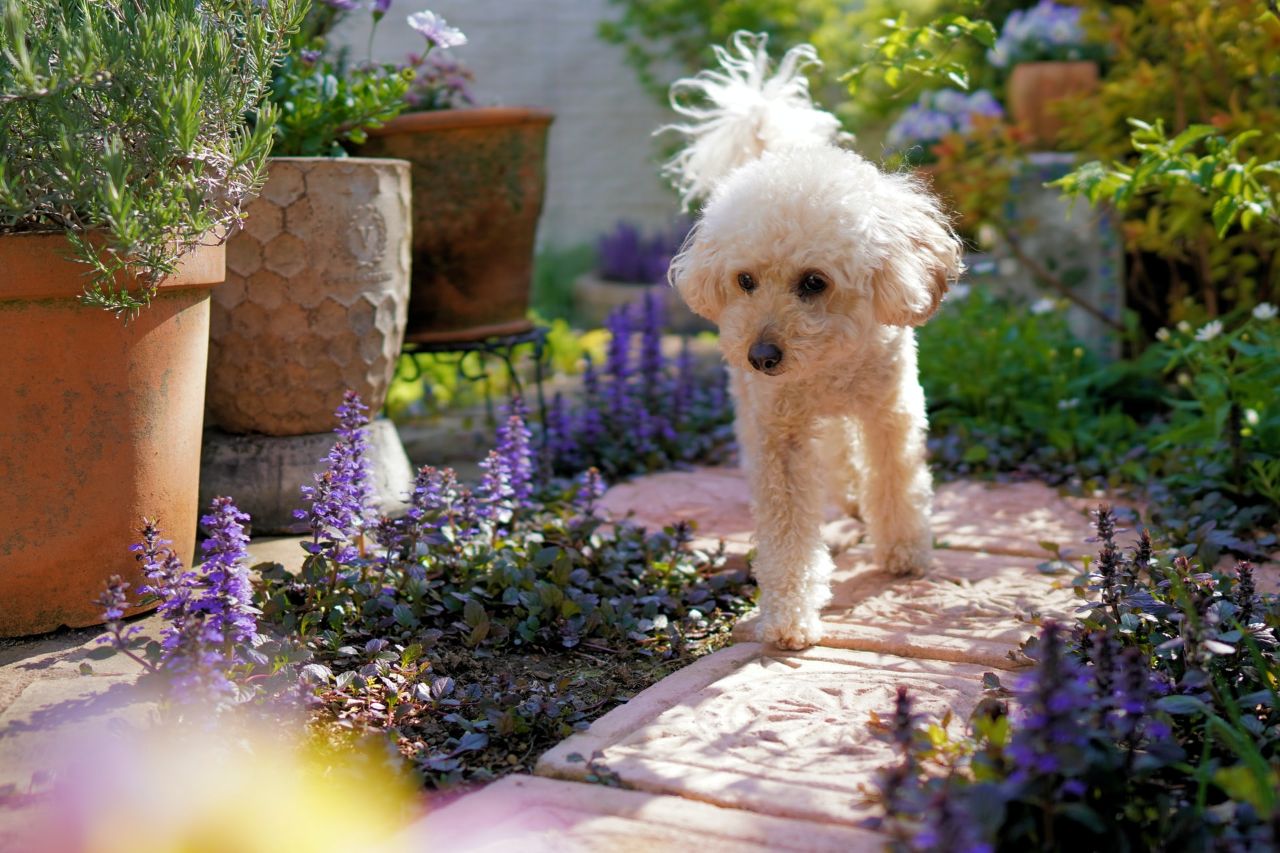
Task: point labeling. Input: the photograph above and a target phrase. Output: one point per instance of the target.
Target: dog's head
(801, 255)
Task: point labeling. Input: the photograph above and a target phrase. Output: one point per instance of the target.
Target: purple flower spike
(228, 595)
(340, 501)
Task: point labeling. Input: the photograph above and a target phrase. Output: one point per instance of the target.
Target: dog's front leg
(792, 564)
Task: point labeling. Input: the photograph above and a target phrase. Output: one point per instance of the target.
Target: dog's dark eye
(811, 284)
(746, 282)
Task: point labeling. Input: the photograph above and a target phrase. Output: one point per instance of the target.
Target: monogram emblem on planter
(367, 242)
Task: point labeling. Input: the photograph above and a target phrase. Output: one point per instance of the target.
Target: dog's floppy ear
(696, 273)
(923, 256)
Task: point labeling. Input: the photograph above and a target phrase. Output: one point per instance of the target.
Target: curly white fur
(745, 113)
(842, 411)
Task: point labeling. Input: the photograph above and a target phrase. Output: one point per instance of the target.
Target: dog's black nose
(764, 357)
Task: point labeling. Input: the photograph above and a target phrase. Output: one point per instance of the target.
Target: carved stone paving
(972, 607)
(784, 735)
(1000, 518)
(717, 500)
(535, 815)
(1007, 518)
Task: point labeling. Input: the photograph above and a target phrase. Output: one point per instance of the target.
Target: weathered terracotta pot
(316, 294)
(478, 181)
(1035, 86)
(595, 298)
(100, 426)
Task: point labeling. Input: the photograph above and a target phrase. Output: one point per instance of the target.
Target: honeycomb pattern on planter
(316, 296)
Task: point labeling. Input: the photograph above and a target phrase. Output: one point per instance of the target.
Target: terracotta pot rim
(35, 265)
(462, 118)
(350, 161)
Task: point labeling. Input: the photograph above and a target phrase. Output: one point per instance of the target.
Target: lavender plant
(645, 411)
(1150, 723)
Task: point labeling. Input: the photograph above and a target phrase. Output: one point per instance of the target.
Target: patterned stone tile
(1001, 518)
(536, 815)
(778, 734)
(972, 607)
(717, 500)
(1007, 518)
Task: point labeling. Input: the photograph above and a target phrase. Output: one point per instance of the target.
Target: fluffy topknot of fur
(739, 112)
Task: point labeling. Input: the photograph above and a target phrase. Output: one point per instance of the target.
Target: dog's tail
(739, 112)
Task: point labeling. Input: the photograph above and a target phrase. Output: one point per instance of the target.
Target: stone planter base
(264, 473)
(594, 298)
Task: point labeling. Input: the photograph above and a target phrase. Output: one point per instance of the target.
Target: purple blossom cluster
(339, 503)
(940, 113)
(211, 623)
(1047, 31)
(645, 410)
(627, 254)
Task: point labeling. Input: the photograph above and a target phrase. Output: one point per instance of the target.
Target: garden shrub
(480, 628)
(1150, 723)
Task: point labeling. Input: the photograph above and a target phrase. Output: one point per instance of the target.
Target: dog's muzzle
(765, 357)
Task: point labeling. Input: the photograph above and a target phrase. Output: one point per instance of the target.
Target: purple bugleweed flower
(379, 7)
(515, 447)
(1046, 31)
(938, 114)
(343, 5)
(590, 488)
(309, 56)
(1054, 699)
(340, 500)
(227, 596)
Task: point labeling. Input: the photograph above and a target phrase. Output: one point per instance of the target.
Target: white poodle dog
(815, 265)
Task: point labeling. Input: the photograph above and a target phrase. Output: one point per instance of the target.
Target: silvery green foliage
(124, 126)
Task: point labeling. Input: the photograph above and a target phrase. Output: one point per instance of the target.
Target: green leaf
(1179, 705)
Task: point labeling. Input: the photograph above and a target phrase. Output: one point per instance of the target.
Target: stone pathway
(768, 749)
(750, 748)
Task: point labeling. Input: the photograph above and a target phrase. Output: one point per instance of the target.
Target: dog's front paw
(908, 559)
(792, 633)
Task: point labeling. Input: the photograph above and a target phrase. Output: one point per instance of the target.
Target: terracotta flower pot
(316, 294)
(594, 298)
(478, 181)
(101, 426)
(1035, 86)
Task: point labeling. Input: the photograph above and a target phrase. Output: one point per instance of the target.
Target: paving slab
(781, 734)
(1001, 518)
(538, 815)
(972, 607)
(718, 501)
(1007, 518)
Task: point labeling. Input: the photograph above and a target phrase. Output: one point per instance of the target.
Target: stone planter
(594, 298)
(1035, 86)
(478, 181)
(101, 427)
(315, 304)
(316, 294)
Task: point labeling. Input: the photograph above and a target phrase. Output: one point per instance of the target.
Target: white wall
(602, 160)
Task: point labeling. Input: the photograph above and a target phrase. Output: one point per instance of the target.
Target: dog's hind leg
(792, 564)
(897, 487)
(841, 456)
